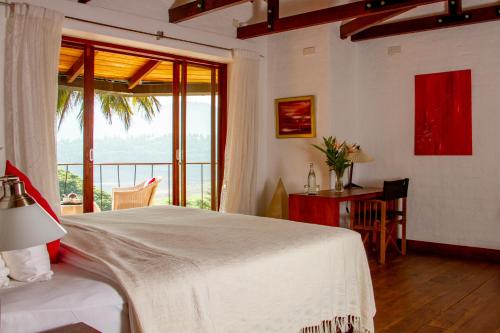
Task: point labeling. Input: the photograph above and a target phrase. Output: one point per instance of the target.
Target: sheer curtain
(33, 40)
(238, 192)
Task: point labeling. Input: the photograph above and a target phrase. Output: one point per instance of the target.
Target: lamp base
(352, 185)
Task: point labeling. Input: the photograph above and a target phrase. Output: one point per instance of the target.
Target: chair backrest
(395, 189)
(154, 187)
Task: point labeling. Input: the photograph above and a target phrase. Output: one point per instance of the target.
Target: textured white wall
(330, 75)
(452, 199)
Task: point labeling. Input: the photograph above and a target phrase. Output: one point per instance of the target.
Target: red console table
(323, 208)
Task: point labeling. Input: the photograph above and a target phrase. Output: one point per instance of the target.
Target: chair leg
(382, 242)
(403, 238)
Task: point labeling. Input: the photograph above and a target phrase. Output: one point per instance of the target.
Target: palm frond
(148, 105)
(111, 105)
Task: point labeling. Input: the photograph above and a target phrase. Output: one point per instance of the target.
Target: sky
(198, 120)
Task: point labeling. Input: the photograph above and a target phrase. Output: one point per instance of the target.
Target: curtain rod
(158, 35)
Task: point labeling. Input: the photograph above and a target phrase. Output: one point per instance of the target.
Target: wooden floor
(429, 294)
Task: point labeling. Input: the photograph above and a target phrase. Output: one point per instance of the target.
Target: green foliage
(71, 183)
(336, 154)
(111, 104)
(196, 202)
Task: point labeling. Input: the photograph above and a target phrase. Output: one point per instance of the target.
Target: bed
(189, 270)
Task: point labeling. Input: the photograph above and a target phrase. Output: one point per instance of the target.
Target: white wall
(330, 75)
(366, 96)
(453, 199)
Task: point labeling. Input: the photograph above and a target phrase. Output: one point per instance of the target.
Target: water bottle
(311, 179)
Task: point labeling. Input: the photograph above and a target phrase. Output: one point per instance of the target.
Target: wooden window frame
(218, 142)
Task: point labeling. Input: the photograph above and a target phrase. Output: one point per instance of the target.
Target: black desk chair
(380, 218)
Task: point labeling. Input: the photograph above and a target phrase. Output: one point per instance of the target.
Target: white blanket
(188, 270)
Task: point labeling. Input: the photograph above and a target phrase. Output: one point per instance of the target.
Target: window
(126, 116)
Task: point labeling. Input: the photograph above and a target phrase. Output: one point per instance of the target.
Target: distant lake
(144, 142)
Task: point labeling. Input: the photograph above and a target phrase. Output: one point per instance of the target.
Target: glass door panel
(70, 130)
(133, 135)
(199, 145)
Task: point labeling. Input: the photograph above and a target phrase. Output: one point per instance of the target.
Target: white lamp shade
(27, 226)
(359, 156)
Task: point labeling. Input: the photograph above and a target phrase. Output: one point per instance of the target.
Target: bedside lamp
(23, 223)
(358, 156)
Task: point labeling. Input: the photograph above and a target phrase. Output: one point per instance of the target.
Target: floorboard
(431, 294)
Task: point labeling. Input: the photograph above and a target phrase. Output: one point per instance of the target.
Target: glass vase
(339, 184)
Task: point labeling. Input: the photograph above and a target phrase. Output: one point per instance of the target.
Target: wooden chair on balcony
(140, 195)
(378, 220)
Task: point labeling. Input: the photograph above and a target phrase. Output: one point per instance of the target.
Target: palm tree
(111, 104)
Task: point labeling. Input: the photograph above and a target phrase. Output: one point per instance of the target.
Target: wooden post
(213, 140)
(88, 130)
(183, 117)
(175, 134)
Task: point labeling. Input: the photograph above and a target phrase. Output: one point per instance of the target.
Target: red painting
(443, 113)
(295, 117)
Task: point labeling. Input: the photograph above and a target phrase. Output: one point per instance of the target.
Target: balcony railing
(153, 170)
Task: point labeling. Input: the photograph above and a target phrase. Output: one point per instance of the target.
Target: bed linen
(189, 270)
(72, 295)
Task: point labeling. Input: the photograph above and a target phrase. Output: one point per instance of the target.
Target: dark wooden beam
(454, 7)
(333, 14)
(196, 8)
(472, 16)
(142, 72)
(352, 27)
(273, 13)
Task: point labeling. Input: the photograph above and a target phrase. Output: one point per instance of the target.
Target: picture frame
(295, 117)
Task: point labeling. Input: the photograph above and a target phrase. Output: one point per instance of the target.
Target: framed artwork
(295, 117)
(443, 113)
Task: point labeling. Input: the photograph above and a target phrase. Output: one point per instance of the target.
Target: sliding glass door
(138, 119)
(199, 138)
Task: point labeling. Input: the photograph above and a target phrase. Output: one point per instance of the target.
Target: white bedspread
(188, 270)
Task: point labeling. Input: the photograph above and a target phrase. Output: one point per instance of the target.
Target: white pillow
(29, 265)
(4, 274)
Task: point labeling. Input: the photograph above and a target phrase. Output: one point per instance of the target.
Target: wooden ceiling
(118, 70)
(121, 67)
(364, 17)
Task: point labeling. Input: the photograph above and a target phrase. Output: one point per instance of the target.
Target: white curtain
(238, 192)
(33, 40)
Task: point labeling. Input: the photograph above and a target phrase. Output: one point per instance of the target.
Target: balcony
(117, 175)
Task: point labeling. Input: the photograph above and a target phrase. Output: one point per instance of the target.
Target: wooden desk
(324, 207)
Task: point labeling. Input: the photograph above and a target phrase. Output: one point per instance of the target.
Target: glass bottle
(311, 179)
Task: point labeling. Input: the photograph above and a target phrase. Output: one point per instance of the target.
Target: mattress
(72, 295)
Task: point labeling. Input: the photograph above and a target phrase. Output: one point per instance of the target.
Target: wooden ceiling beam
(333, 14)
(142, 72)
(472, 16)
(354, 26)
(199, 7)
(76, 69)
(150, 89)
